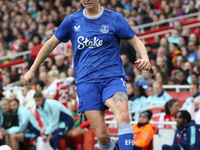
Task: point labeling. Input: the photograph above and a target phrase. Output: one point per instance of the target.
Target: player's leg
(118, 103)
(90, 102)
(97, 122)
(115, 97)
(15, 139)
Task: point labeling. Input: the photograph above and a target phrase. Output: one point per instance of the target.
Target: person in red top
(57, 89)
(143, 132)
(171, 108)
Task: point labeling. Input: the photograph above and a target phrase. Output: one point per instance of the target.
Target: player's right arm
(42, 55)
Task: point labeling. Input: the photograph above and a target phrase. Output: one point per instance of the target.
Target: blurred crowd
(175, 57)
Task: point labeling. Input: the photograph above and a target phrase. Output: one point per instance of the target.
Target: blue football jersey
(96, 44)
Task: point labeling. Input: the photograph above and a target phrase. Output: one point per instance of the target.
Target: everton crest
(104, 29)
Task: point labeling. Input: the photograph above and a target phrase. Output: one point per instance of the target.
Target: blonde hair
(54, 73)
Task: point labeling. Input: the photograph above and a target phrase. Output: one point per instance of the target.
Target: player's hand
(143, 64)
(29, 77)
(44, 138)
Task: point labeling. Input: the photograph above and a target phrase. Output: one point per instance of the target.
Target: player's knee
(123, 117)
(102, 136)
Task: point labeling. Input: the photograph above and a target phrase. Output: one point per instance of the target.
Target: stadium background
(170, 30)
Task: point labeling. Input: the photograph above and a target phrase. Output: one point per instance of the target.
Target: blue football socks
(109, 146)
(125, 137)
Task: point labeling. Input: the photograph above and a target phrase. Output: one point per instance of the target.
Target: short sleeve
(63, 31)
(122, 28)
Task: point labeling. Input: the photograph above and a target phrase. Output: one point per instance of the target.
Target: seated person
(194, 109)
(56, 118)
(160, 95)
(187, 135)
(9, 119)
(194, 91)
(57, 89)
(28, 128)
(140, 98)
(171, 108)
(143, 132)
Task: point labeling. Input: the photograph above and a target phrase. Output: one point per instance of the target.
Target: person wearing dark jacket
(187, 136)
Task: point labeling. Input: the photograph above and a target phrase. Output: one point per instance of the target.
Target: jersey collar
(98, 16)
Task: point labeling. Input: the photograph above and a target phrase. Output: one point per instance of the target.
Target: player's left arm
(141, 50)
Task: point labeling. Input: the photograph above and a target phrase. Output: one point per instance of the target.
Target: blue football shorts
(92, 96)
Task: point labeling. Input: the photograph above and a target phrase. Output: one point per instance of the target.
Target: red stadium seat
(173, 94)
(156, 110)
(182, 96)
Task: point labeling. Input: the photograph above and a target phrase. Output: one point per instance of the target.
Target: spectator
(57, 123)
(178, 63)
(163, 17)
(6, 80)
(138, 76)
(139, 99)
(178, 26)
(163, 62)
(171, 108)
(162, 77)
(39, 86)
(155, 69)
(192, 8)
(63, 75)
(187, 135)
(5, 104)
(150, 53)
(130, 76)
(160, 95)
(188, 67)
(70, 72)
(43, 77)
(127, 49)
(194, 109)
(150, 90)
(126, 63)
(174, 38)
(148, 78)
(178, 11)
(193, 50)
(194, 77)
(130, 90)
(185, 52)
(183, 41)
(194, 91)
(28, 128)
(145, 19)
(181, 78)
(59, 61)
(194, 38)
(164, 42)
(186, 32)
(161, 51)
(57, 90)
(143, 132)
(135, 16)
(12, 96)
(174, 51)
